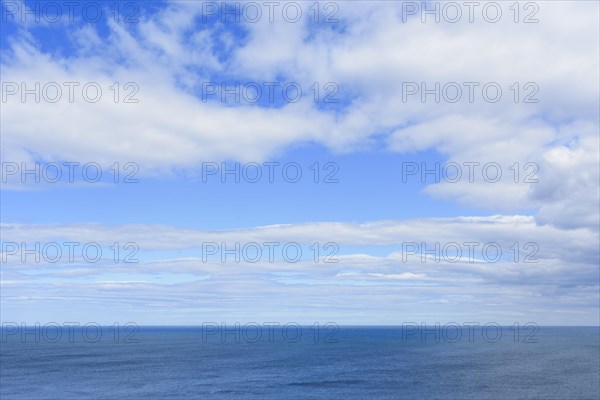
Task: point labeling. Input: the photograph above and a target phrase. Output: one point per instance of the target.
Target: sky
(363, 163)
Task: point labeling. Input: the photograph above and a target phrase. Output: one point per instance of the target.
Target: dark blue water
(365, 363)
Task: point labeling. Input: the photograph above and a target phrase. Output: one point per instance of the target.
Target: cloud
(377, 276)
(500, 228)
(370, 55)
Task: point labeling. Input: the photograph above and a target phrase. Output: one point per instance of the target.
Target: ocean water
(349, 362)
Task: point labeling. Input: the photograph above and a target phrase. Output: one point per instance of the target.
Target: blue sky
(361, 130)
(374, 182)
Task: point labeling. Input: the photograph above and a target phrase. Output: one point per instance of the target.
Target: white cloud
(369, 56)
(375, 247)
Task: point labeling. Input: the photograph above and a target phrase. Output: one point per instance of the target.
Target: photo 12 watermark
(470, 92)
(452, 12)
(252, 12)
(61, 12)
(69, 332)
(268, 92)
(68, 252)
(254, 252)
(469, 252)
(269, 332)
(69, 92)
(269, 172)
(470, 172)
(472, 332)
(69, 172)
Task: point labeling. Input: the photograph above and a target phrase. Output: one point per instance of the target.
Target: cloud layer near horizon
(563, 278)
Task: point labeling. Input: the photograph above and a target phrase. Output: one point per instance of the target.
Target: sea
(290, 361)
